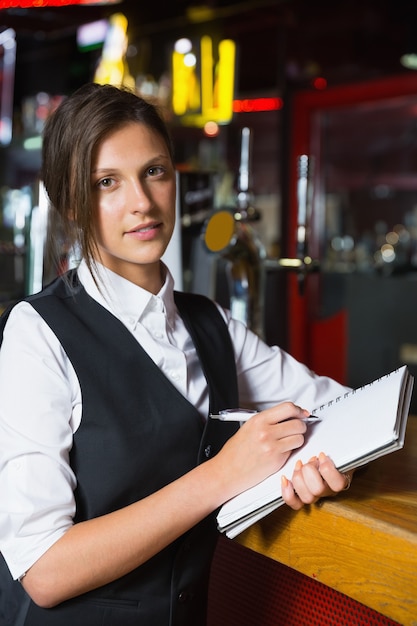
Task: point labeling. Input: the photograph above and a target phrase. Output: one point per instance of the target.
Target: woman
(110, 470)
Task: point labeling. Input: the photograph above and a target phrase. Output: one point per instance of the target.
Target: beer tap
(302, 263)
(230, 233)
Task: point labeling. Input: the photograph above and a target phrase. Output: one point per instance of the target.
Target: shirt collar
(124, 299)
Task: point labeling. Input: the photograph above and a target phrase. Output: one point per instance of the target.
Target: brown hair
(71, 135)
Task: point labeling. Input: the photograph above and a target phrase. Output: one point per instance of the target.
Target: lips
(144, 229)
(145, 232)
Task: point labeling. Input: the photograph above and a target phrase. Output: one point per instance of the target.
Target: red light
(37, 4)
(257, 104)
(42, 112)
(319, 83)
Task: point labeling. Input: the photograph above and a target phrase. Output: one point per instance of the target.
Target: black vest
(137, 434)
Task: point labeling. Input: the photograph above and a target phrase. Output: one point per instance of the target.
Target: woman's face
(133, 191)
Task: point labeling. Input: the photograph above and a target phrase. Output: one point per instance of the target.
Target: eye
(105, 183)
(155, 170)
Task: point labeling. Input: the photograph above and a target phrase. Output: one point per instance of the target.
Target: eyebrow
(148, 163)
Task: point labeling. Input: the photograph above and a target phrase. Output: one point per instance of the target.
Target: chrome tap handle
(303, 205)
(244, 181)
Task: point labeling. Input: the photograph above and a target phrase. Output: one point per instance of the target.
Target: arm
(95, 552)
(268, 375)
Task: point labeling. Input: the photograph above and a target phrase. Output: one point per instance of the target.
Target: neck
(150, 277)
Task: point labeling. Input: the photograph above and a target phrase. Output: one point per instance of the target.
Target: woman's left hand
(313, 480)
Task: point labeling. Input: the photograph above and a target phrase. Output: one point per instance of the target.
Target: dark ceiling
(280, 42)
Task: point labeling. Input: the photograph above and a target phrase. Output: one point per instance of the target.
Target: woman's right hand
(260, 447)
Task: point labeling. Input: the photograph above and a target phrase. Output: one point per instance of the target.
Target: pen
(242, 415)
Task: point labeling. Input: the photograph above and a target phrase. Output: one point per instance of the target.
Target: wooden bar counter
(362, 543)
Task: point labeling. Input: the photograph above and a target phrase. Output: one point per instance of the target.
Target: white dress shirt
(41, 404)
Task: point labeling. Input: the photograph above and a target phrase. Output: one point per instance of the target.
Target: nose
(139, 197)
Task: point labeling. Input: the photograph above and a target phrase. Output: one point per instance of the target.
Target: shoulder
(20, 315)
(23, 322)
(199, 301)
(25, 326)
(197, 306)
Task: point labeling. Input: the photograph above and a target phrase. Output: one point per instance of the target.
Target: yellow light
(214, 100)
(206, 73)
(226, 80)
(112, 68)
(199, 13)
(185, 88)
(179, 84)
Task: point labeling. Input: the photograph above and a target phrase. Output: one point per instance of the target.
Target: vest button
(207, 451)
(183, 596)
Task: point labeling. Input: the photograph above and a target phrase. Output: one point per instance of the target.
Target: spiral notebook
(355, 428)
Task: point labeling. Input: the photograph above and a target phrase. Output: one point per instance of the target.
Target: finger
(288, 434)
(291, 426)
(335, 479)
(308, 481)
(285, 411)
(288, 440)
(289, 495)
